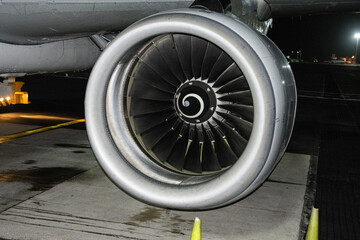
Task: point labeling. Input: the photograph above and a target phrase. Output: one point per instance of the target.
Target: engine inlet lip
(121, 164)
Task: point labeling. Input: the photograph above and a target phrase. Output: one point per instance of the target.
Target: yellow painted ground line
(38, 130)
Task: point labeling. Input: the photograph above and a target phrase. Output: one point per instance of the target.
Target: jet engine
(190, 109)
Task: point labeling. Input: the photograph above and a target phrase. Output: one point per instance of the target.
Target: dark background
(318, 37)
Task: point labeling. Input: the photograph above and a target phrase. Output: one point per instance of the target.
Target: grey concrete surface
(89, 206)
(33, 164)
(11, 128)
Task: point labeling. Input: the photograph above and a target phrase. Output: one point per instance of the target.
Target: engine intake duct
(190, 109)
(181, 108)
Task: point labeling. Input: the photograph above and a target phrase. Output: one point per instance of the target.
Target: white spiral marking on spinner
(185, 103)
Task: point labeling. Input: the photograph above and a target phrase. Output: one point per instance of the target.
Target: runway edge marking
(10, 137)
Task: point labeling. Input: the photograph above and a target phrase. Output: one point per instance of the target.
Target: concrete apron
(89, 206)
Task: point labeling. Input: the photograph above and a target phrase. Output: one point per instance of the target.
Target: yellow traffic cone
(196, 232)
(313, 229)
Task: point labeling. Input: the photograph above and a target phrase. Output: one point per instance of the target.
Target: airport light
(357, 36)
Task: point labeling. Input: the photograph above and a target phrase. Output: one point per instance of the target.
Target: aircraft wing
(34, 22)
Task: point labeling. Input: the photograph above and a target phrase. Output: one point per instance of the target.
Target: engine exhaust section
(190, 109)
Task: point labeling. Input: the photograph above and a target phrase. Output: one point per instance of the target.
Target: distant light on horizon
(357, 35)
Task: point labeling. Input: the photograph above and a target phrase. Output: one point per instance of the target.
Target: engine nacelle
(190, 109)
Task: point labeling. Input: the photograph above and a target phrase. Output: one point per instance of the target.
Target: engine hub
(195, 101)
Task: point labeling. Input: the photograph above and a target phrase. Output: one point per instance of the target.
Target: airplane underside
(185, 109)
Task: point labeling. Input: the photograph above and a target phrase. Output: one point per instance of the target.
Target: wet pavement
(52, 188)
(89, 206)
(34, 164)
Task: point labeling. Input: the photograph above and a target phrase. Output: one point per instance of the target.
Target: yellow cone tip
(196, 233)
(313, 229)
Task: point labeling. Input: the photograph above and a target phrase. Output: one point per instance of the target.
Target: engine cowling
(190, 109)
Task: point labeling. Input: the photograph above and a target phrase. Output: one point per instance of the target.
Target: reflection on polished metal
(190, 109)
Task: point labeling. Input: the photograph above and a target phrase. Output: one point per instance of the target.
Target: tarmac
(51, 187)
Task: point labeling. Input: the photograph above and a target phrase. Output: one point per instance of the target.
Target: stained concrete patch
(148, 214)
(40, 178)
(67, 145)
(29, 162)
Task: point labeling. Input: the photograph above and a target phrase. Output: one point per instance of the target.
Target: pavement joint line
(10, 137)
(330, 98)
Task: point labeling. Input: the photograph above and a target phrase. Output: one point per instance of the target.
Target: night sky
(318, 37)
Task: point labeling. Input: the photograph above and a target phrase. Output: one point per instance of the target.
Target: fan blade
(210, 161)
(242, 126)
(178, 153)
(198, 49)
(221, 64)
(211, 55)
(243, 97)
(238, 84)
(153, 135)
(156, 62)
(146, 74)
(166, 48)
(195, 156)
(183, 48)
(236, 142)
(140, 89)
(227, 75)
(192, 161)
(164, 146)
(149, 121)
(142, 107)
(224, 152)
(244, 111)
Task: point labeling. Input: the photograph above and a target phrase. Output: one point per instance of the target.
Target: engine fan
(189, 105)
(190, 109)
